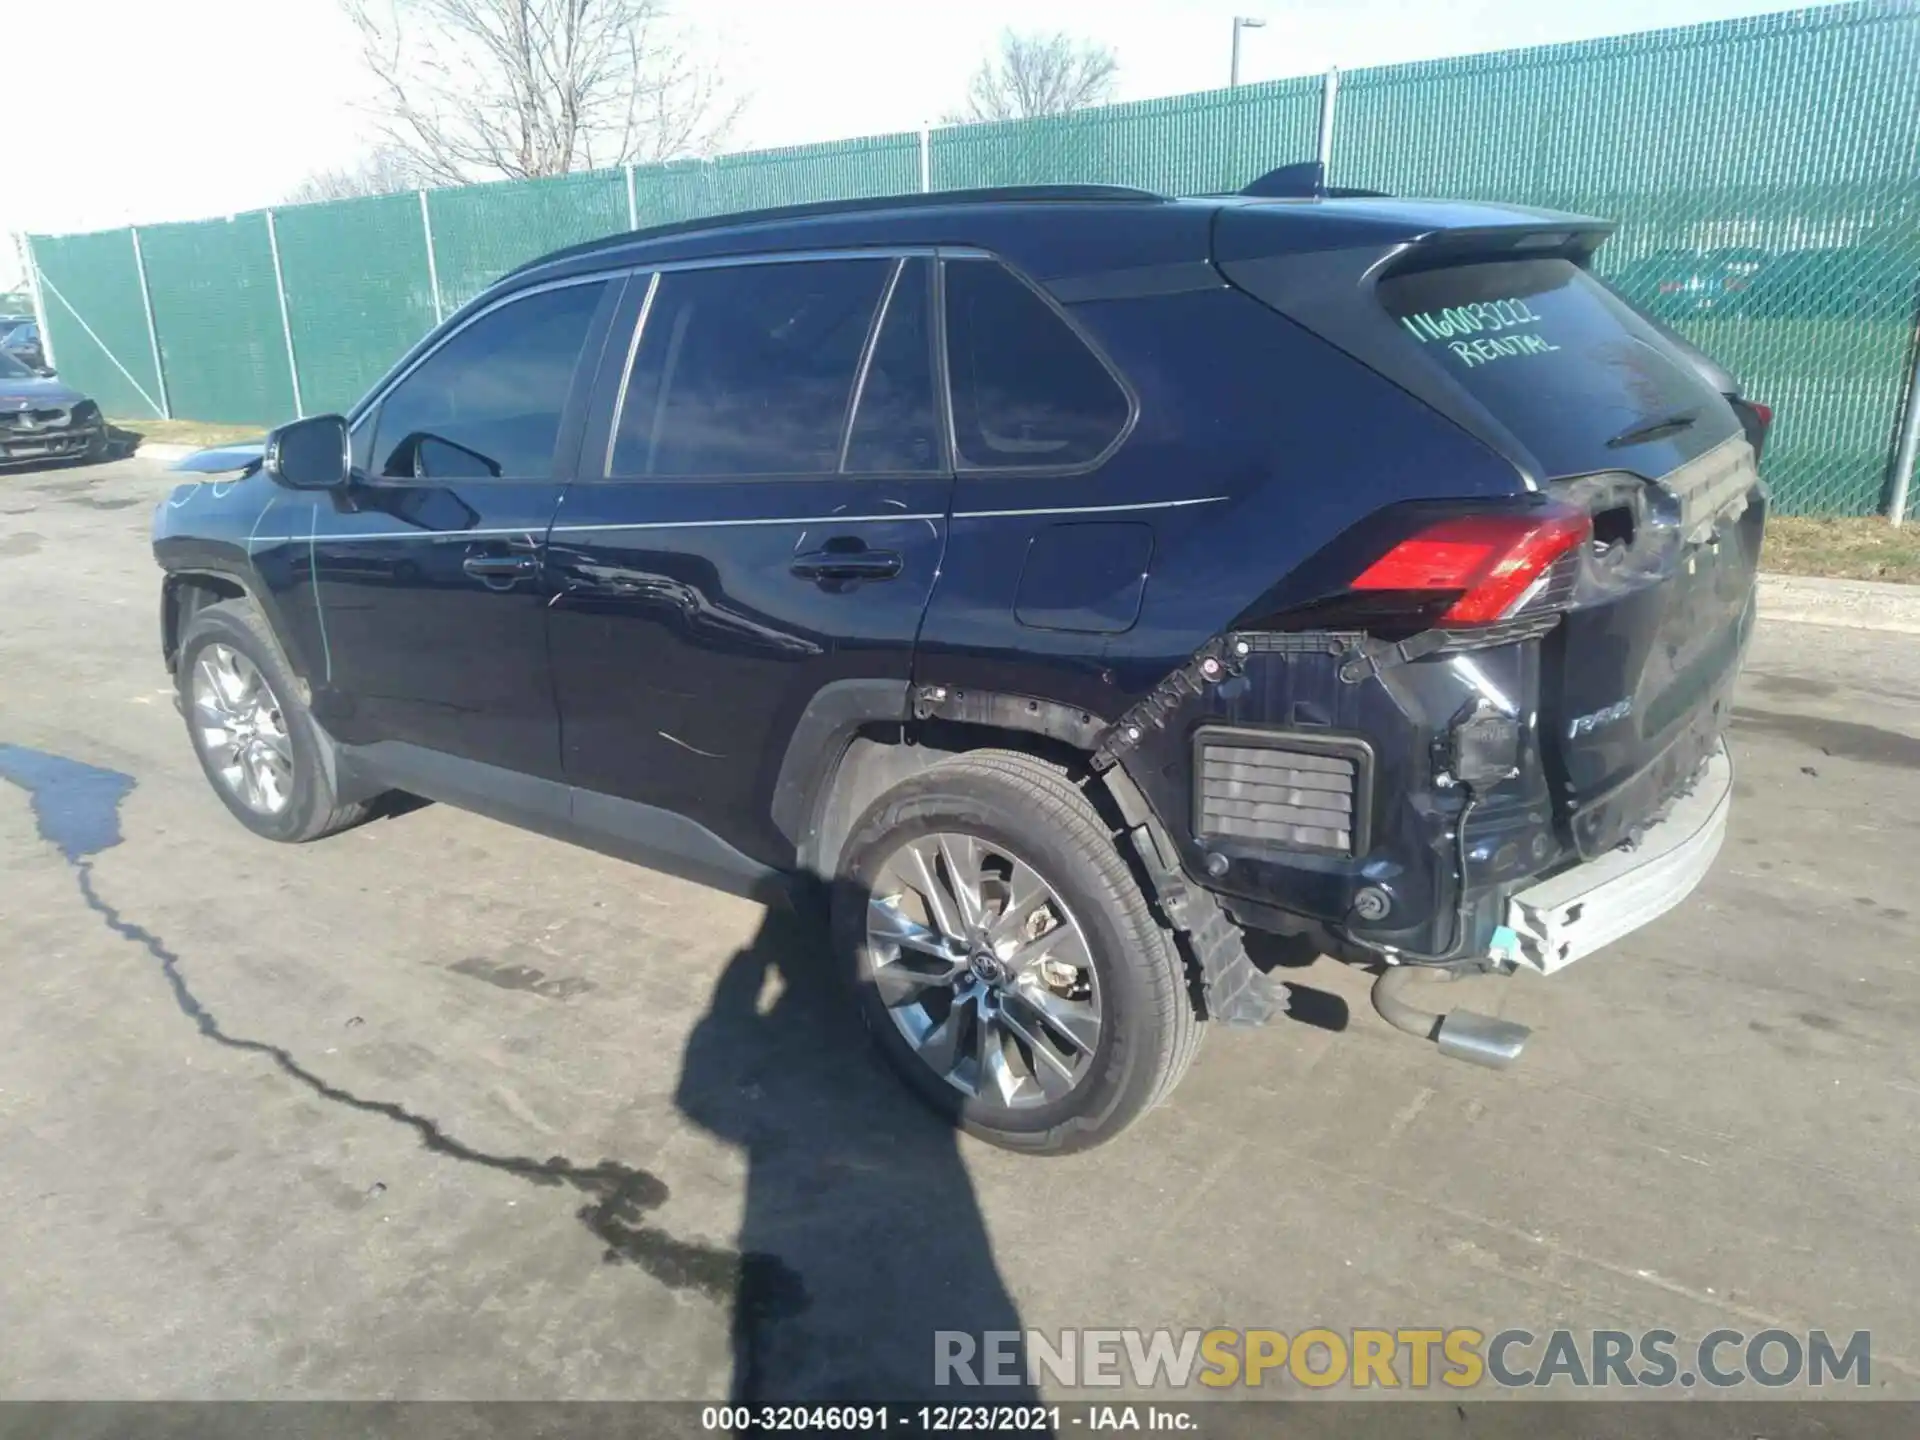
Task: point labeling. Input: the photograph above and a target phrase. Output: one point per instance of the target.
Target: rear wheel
(260, 749)
(1010, 967)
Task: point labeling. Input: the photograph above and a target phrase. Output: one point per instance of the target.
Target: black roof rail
(927, 200)
(1306, 180)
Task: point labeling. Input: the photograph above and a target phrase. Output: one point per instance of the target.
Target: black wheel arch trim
(812, 768)
(818, 743)
(249, 583)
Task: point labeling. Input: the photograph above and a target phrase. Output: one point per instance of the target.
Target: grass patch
(187, 432)
(1855, 548)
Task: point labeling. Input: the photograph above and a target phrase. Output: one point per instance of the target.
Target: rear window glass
(1027, 392)
(1579, 378)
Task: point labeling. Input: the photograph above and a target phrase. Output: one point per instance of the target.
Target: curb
(1852, 604)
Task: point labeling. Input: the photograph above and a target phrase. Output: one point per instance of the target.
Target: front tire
(1009, 966)
(259, 748)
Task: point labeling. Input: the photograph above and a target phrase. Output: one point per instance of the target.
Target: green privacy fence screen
(843, 170)
(217, 313)
(89, 292)
(482, 231)
(1766, 174)
(359, 292)
(1187, 145)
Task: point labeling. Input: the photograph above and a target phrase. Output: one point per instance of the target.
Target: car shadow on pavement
(1306, 1005)
(851, 1184)
(861, 1233)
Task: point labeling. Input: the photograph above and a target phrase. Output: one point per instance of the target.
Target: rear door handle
(498, 567)
(846, 565)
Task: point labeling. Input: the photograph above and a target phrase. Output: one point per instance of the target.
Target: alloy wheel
(241, 729)
(984, 970)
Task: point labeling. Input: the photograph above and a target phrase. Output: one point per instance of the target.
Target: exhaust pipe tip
(1481, 1039)
(1460, 1034)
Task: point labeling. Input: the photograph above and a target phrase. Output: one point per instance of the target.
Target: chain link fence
(1766, 174)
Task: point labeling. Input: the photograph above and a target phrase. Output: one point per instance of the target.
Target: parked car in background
(1837, 282)
(22, 342)
(1681, 284)
(1840, 282)
(1061, 582)
(44, 418)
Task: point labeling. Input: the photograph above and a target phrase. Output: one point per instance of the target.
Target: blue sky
(206, 107)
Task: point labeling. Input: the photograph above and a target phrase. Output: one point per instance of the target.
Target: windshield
(12, 369)
(1578, 377)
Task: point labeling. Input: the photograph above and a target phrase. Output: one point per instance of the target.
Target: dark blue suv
(1063, 582)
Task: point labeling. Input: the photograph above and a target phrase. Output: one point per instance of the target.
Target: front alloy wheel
(242, 730)
(246, 713)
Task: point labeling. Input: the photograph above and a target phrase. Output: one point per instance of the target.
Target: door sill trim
(646, 835)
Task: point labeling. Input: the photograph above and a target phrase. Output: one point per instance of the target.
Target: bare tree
(1038, 75)
(385, 172)
(479, 89)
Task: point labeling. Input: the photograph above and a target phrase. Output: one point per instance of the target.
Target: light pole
(1241, 22)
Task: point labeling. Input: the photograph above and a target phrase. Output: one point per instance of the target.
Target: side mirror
(310, 454)
(45, 372)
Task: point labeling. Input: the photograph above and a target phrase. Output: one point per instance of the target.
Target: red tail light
(1756, 419)
(1486, 563)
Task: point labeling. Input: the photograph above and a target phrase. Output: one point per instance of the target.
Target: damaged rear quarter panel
(1316, 685)
(1244, 476)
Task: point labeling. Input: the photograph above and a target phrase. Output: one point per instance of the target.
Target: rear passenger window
(489, 401)
(1027, 392)
(748, 370)
(894, 426)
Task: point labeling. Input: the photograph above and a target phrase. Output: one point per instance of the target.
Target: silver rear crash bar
(1580, 910)
(1575, 913)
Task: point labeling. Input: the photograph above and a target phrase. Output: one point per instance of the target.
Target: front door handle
(498, 567)
(846, 565)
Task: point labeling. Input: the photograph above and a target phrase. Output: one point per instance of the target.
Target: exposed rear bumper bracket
(1578, 911)
(1221, 658)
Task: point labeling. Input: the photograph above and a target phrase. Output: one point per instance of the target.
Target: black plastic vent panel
(1299, 792)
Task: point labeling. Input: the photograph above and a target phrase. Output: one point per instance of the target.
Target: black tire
(313, 809)
(1150, 1031)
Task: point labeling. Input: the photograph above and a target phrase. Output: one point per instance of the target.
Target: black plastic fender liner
(1079, 728)
(248, 583)
(1233, 991)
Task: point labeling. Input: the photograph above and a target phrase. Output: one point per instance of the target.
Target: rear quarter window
(1028, 394)
(1562, 362)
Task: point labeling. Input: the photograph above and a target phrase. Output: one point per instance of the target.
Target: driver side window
(487, 404)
